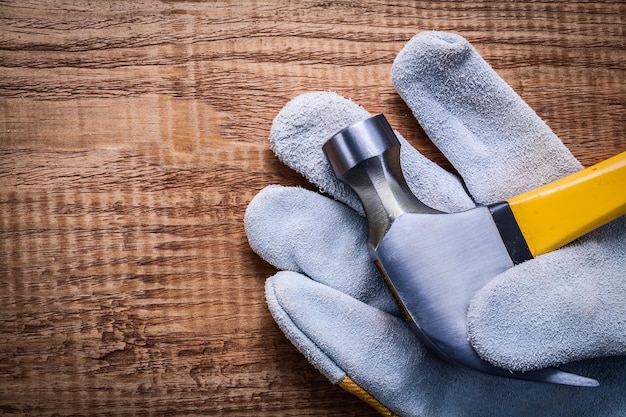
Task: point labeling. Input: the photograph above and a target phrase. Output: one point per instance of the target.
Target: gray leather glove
(332, 304)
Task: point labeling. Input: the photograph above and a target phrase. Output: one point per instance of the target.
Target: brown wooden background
(134, 133)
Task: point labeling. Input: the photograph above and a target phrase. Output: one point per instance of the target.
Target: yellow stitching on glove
(395, 295)
(353, 388)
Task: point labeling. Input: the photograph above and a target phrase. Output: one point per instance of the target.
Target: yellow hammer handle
(557, 213)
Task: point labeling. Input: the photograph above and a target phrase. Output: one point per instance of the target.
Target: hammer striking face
(435, 262)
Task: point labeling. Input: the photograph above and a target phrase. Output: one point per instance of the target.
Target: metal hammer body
(435, 262)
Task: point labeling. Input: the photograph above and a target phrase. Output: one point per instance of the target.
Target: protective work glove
(330, 301)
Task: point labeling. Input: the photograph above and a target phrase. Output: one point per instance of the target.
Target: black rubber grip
(510, 232)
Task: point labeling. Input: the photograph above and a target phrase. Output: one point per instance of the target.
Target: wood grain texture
(134, 133)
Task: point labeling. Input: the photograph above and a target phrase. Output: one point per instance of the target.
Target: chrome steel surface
(366, 156)
(433, 262)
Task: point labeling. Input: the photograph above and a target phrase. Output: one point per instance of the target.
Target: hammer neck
(383, 192)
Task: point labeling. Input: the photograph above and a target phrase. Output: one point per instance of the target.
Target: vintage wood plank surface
(134, 133)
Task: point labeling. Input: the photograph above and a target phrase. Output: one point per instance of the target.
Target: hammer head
(433, 262)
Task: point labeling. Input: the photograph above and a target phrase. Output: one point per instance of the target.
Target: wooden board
(134, 133)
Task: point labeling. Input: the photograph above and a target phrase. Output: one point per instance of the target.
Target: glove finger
(581, 288)
(309, 120)
(299, 230)
(491, 136)
(345, 338)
